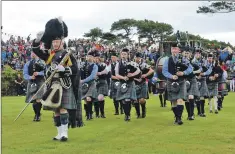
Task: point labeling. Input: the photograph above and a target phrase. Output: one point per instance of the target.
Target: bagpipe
(51, 98)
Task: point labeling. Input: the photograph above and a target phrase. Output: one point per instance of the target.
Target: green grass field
(155, 134)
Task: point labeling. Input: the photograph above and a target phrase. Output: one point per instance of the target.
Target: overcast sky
(24, 18)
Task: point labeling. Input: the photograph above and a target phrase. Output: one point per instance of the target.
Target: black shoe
(63, 139)
(202, 115)
(191, 118)
(55, 139)
(138, 116)
(116, 113)
(102, 116)
(178, 121)
(38, 118)
(125, 118)
(216, 112)
(97, 116)
(88, 117)
(35, 117)
(143, 115)
(128, 118)
(211, 111)
(219, 108)
(91, 116)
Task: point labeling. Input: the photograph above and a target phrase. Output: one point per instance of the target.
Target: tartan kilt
(113, 90)
(68, 100)
(129, 94)
(203, 89)
(212, 89)
(102, 87)
(40, 93)
(143, 92)
(193, 90)
(92, 91)
(182, 94)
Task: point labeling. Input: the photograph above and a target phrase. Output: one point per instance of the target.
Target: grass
(155, 134)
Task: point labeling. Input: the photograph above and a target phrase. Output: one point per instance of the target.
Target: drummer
(222, 87)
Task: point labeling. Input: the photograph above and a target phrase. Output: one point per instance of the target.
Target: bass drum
(159, 66)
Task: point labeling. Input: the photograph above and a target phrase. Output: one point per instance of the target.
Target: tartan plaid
(182, 94)
(102, 87)
(204, 89)
(130, 93)
(40, 93)
(79, 106)
(143, 93)
(193, 87)
(68, 100)
(212, 89)
(92, 91)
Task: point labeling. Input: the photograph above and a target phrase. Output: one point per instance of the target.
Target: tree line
(148, 30)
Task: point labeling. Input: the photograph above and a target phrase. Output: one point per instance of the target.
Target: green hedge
(8, 86)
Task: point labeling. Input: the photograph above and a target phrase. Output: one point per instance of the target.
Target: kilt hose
(142, 90)
(92, 91)
(174, 96)
(193, 90)
(212, 89)
(203, 89)
(129, 94)
(102, 87)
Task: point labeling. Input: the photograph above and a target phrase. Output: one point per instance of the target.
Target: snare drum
(161, 86)
(222, 86)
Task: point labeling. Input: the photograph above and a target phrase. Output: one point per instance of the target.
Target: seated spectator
(4, 55)
(18, 65)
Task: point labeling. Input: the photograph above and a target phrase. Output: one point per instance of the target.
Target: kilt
(193, 90)
(102, 87)
(212, 89)
(203, 89)
(143, 92)
(181, 94)
(113, 90)
(129, 94)
(92, 91)
(68, 100)
(40, 93)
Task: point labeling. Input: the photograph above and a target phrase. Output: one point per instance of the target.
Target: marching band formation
(186, 78)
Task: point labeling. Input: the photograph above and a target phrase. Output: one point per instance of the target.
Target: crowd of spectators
(16, 51)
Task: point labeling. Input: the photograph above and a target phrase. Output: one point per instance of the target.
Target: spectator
(19, 84)
(223, 55)
(4, 55)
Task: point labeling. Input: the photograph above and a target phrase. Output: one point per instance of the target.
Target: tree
(109, 37)
(94, 33)
(218, 7)
(153, 30)
(124, 24)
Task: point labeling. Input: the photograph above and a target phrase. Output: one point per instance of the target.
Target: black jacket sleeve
(41, 54)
